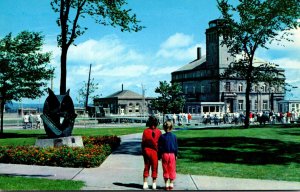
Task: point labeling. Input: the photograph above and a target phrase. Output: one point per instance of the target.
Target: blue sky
(174, 29)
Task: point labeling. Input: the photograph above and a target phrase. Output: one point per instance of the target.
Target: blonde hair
(168, 125)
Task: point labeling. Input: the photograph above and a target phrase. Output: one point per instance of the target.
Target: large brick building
(206, 91)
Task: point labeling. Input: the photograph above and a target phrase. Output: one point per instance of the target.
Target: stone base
(71, 141)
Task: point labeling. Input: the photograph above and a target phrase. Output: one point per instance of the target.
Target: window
(227, 87)
(205, 109)
(202, 88)
(240, 87)
(265, 104)
(255, 88)
(241, 104)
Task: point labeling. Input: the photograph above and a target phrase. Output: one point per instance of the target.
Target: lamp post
(143, 102)
(257, 100)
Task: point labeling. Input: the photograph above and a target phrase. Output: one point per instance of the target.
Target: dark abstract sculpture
(58, 115)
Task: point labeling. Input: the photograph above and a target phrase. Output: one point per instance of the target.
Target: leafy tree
(105, 12)
(254, 24)
(170, 99)
(23, 68)
(83, 90)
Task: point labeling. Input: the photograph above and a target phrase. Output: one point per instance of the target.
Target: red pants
(169, 165)
(150, 160)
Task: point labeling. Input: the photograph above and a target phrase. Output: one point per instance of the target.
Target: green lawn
(264, 153)
(28, 137)
(24, 183)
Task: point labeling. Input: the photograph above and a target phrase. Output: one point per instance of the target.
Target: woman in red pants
(150, 149)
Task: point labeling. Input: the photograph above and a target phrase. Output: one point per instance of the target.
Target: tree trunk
(63, 73)
(2, 112)
(248, 89)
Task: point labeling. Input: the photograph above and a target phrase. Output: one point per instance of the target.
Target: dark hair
(152, 121)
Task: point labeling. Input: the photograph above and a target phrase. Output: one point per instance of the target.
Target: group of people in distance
(156, 146)
(30, 121)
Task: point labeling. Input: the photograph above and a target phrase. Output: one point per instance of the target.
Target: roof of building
(125, 94)
(201, 63)
(192, 65)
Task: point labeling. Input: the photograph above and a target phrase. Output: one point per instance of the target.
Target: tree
(171, 99)
(83, 90)
(105, 12)
(254, 24)
(23, 68)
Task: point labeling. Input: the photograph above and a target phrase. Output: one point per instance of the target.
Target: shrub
(92, 155)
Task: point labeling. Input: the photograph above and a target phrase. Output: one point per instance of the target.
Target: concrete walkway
(123, 170)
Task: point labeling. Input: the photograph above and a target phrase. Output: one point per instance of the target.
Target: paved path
(123, 169)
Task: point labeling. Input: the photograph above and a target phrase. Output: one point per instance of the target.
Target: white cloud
(179, 47)
(177, 40)
(287, 63)
(288, 45)
(106, 51)
(123, 71)
(181, 54)
(163, 70)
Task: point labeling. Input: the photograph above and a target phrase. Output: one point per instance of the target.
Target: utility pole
(88, 89)
(143, 103)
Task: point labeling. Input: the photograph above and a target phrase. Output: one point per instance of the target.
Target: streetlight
(143, 101)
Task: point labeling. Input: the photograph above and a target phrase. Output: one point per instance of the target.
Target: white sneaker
(153, 185)
(145, 186)
(171, 186)
(167, 185)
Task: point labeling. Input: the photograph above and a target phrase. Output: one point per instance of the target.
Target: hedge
(95, 151)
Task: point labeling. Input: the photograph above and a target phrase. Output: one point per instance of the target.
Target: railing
(16, 121)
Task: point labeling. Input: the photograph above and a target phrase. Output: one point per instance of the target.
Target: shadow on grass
(23, 135)
(25, 175)
(292, 132)
(240, 150)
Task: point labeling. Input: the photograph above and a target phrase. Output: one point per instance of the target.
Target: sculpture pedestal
(71, 141)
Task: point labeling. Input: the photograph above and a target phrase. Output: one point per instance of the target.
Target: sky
(173, 31)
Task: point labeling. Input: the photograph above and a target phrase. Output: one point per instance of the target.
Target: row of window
(240, 88)
(262, 89)
(257, 106)
(137, 104)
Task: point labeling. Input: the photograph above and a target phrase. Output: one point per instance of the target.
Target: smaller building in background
(289, 105)
(125, 102)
